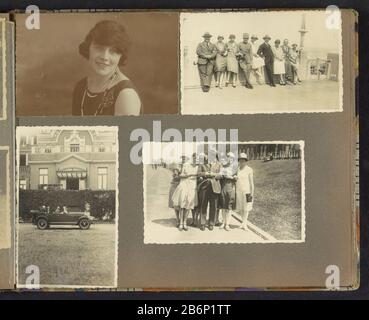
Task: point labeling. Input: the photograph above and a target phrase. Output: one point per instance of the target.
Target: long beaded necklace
(101, 105)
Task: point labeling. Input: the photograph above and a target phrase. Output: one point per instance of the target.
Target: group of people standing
(218, 182)
(225, 60)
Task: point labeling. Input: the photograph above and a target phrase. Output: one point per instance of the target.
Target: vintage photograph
(95, 64)
(4, 198)
(236, 63)
(3, 111)
(68, 205)
(249, 192)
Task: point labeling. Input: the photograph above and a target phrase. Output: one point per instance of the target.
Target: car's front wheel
(42, 224)
(84, 224)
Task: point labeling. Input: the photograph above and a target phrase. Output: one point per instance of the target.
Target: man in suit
(265, 51)
(245, 59)
(209, 190)
(206, 52)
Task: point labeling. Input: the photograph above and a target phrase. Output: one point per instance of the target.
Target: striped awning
(72, 173)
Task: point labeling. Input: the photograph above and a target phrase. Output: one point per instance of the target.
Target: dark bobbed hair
(107, 33)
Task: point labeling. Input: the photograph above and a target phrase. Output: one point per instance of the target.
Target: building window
(102, 178)
(34, 140)
(102, 148)
(47, 150)
(74, 147)
(23, 184)
(44, 176)
(23, 160)
(23, 141)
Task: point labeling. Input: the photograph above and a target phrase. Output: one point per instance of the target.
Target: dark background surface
(7, 139)
(363, 8)
(48, 64)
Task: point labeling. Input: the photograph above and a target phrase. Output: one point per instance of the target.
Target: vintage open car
(43, 219)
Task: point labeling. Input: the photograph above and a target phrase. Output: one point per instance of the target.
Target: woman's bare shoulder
(128, 102)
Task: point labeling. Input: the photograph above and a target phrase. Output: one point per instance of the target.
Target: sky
(279, 25)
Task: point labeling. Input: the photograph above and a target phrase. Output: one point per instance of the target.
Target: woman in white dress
(279, 65)
(244, 190)
(185, 195)
(257, 61)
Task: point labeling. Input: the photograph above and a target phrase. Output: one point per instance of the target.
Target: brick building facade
(68, 160)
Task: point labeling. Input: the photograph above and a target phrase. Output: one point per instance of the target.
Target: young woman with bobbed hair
(106, 90)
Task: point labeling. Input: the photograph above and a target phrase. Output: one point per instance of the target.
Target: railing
(318, 69)
(72, 149)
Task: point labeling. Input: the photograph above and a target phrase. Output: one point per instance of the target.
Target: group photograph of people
(211, 195)
(276, 63)
(235, 63)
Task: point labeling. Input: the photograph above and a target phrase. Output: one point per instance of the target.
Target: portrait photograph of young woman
(98, 64)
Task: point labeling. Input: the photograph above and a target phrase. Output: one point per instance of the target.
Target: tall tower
(303, 56)
(302, 31)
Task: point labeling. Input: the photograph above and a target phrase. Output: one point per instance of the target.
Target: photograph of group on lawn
(251, 195)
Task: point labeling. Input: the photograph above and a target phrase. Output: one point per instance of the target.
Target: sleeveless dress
(185, 195)
(243, 187)
(93, 100)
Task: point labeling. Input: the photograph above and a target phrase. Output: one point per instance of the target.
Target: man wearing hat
(265, 51)
(206, 52)
(209, 189)
(245, 54)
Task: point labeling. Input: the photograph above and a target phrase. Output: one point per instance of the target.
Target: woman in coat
(220, 61)
(232, 63)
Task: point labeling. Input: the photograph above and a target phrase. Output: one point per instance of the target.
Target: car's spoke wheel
(84, 224)
(42, 224)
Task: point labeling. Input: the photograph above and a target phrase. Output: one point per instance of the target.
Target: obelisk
(303, 56)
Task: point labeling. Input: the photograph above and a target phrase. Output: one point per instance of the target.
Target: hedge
(100, 201)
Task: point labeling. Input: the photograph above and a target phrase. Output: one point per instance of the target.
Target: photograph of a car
(43, 220)
(67, 222)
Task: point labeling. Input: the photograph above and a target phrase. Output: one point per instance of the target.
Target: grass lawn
(277, 198)
(68, 256)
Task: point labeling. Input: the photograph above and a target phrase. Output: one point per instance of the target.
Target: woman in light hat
(279, 67)
(232, 63)
(244, 190)
(220, 61)
(185, 195)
